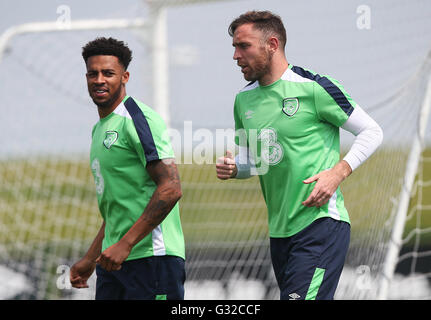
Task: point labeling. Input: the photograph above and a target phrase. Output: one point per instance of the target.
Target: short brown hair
(267, 22)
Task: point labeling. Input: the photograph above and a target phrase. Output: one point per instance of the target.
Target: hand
(226, 167)
(80, 272)
(327, 183)
(112, 258)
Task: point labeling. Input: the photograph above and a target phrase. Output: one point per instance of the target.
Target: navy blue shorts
(152, 278)
(308, 265)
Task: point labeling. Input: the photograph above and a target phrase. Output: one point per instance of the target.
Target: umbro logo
(249, 114)
(294, 296)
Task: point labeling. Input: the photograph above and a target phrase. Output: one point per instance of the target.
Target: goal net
(374, 197)
(48, 208)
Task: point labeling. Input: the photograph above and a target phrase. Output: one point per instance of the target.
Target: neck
(105, 111)
(277, 69)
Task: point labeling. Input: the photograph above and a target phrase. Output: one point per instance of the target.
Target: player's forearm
(243, 166)
(342, 169)
(369, 136)
(96, 246)
(160, 205)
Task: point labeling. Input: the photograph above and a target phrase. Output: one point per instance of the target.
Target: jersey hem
(151, 254)
(292, 233)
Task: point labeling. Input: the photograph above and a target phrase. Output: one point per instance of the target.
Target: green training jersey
(122, 144)
(291, 128)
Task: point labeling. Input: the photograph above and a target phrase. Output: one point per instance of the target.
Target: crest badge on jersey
(110, 138)
(290, 106)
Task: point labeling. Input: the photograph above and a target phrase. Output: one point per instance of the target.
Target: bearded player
(287, 121)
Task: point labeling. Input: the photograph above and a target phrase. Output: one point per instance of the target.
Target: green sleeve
(333, 103)
(240, 134)
(153, 143)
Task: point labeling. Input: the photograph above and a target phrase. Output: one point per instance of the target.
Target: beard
(261, 68)
(108, 103)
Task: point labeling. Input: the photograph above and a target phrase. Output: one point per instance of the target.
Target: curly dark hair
(265, 21)
(109, 47)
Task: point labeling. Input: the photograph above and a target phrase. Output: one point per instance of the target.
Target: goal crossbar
(75, 25)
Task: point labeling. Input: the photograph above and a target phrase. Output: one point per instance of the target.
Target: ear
(273, 44)
(125, 77)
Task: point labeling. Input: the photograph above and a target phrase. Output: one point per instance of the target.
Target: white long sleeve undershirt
(368, 134)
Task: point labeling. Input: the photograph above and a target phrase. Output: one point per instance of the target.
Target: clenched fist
(226, 167)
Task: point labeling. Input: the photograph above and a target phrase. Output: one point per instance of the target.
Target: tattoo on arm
(168, 191)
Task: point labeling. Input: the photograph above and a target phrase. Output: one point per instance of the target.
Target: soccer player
(138, 252)
(287, 121)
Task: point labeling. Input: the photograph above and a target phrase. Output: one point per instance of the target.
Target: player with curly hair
(138, 252)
